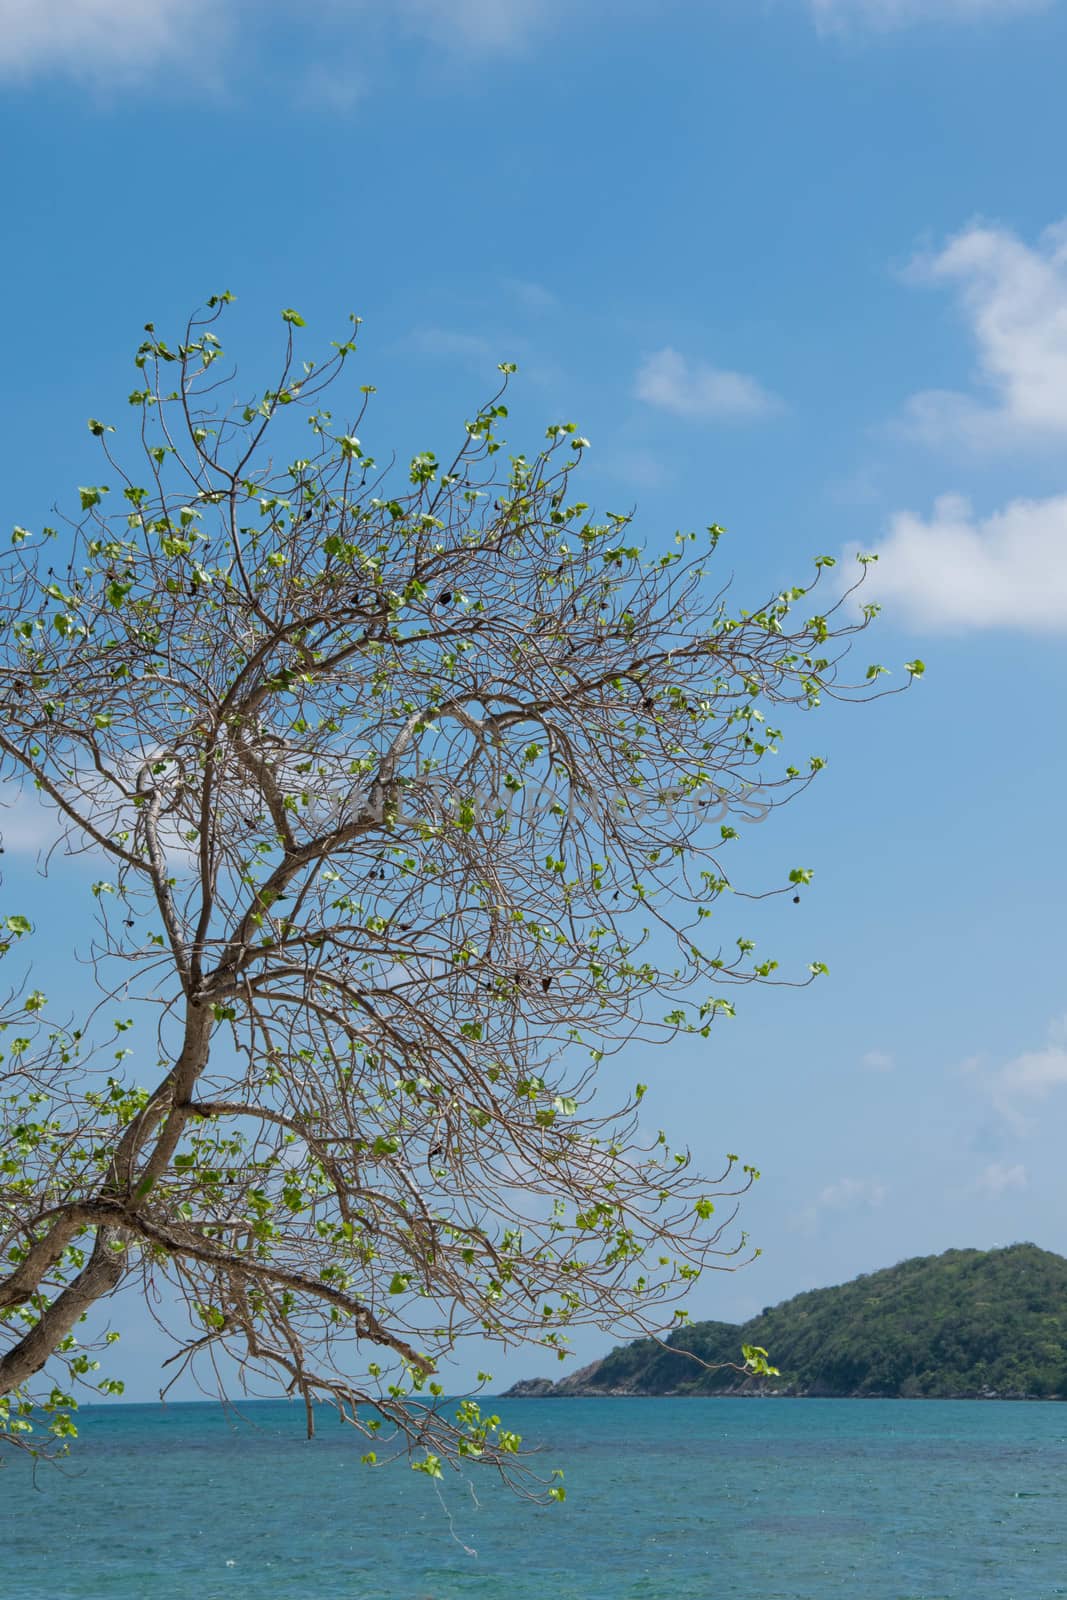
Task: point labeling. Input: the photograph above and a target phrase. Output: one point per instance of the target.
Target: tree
(414, 803)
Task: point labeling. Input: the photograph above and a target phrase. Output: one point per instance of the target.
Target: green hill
(966, 1324)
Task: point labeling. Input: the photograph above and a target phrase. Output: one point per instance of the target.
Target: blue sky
(797, 267)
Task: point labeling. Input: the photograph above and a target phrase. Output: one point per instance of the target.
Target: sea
(709, 1499)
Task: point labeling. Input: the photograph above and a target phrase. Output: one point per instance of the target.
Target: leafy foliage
(965, 1323)
(416, 800)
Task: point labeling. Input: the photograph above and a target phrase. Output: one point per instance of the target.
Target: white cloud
(1009, 568)
(28, 826)
(89, 38)
(531, 296)
(998, 1177)
(847, 1194)
(489, 25)
(332, 88)
(1033, 1075)
(877, 1061)
(697, 391)
(124, 40)
(505, 24)
(953, 569)
(837, 14)
(484, 355)
(450, 344)
(1014, 298)
(1020, 1085)
(31, 828)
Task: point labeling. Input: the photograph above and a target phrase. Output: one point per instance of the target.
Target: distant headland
(968, 1324)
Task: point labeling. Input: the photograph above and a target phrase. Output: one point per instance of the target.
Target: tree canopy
(412, 793)
(967, 1323)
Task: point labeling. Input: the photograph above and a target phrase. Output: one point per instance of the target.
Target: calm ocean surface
(691, 1500)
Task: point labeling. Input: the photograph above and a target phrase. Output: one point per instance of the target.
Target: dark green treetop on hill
(965, 1323)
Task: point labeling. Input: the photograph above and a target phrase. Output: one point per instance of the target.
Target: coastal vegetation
(965, 1324)
(409, 796)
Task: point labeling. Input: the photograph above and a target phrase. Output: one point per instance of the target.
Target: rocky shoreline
(753, 1389)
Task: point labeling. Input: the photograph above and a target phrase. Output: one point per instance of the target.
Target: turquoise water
(691, 1500)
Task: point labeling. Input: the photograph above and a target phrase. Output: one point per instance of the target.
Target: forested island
(968, 1324)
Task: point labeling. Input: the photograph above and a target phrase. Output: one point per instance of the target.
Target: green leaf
(293, 317)
(756, 1361)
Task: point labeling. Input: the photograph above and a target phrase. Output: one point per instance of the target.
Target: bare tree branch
(420, 801)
